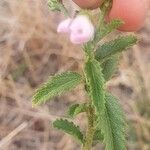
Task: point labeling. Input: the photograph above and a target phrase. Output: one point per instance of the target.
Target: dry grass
(30, 51)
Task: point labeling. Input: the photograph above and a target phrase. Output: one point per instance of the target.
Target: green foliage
(115, 46)
(76, 109)
(98, 136)
(105, 118)
(113, 125)
(108, 28)
(95, 81)
(54, 5)
(109, 67)
(69, 128)
(55, 86)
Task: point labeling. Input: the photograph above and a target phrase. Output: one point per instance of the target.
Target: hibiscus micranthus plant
(105, 119)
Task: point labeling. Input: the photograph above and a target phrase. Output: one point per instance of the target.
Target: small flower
(63, 27)
(82, 30)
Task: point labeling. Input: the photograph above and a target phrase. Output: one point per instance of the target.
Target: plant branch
(90, 130)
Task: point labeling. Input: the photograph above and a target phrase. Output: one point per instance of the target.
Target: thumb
(88, 4)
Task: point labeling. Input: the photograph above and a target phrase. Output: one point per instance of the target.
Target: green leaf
(76, 109)
(95, 81)
(98, 136)
(54, 5)
(113, 125)
(115, 46)
(109, 67)
(57, 5)
(55, 86)
(108, 28)
(69, 128)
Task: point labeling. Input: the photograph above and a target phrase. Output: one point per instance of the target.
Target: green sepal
(109, 67)
(76, 109)
(114, 47)
(95, 82)
(69, 128)
(112, 125)
(55, 86)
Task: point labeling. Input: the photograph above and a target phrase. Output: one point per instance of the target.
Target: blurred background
(30, 51)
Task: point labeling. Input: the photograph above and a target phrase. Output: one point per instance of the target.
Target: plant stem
(64, 10)
(90, 130)
(89, 51)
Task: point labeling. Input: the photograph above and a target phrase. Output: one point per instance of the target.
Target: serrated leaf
(76, 109)
(109, 67)
(98, 136)
(95, 83)
(114, 47)
(108, 28)
(113, 125)
(69, 128)
(55, 86)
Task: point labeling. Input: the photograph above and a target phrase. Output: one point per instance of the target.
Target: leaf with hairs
(98, 136)
(95, 81)
(55, 86)
(114, 47)
(69, 128)
(108, 28)
(113, 125)
(76, 109)
(109, 67)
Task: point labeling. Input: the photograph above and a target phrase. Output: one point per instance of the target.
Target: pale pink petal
(78, 39)
(63, 27)
(81, 29)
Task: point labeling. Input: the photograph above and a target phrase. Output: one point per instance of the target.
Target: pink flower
(63, 27)
(81, 29)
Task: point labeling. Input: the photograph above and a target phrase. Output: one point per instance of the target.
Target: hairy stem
(89, 51)
(90, 130)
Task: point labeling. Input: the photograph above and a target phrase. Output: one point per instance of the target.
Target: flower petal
(81, 29)
(63, 27)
